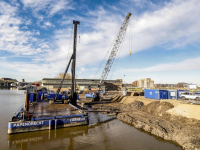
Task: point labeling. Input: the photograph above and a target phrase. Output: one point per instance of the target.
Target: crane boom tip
(128, 15)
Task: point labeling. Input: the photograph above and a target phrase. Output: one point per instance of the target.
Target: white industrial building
(53, 83)
(146, 83)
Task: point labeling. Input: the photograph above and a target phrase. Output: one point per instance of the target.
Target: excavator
(115, 48)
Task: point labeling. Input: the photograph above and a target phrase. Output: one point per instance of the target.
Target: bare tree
(68, 76)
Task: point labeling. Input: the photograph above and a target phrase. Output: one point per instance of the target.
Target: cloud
(59, 6)
(162, 27)
(7, 9)
(28, 22)
(34, 70)
(93, 44)
(188, 64)
(172, 26)
(24, 27)
(47, 25)
(13, 37)
(82, 69)
(50, 7)
(2, 58)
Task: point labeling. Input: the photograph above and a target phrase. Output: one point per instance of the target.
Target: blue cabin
(172, 94)
(155, 94)
(33, 97)
(180, 92)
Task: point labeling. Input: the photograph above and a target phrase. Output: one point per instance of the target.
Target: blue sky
(35, 39)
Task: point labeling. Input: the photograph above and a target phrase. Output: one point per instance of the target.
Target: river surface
(108, 135)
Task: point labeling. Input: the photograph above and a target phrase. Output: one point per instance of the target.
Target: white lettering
(27, 140)
(27, 124)
(77, 119)
(35, 123)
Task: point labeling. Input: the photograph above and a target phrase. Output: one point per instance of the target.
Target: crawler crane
(118, 42)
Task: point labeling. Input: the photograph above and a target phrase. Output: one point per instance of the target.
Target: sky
(36, 39)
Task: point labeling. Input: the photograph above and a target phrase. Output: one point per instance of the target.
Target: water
(109, 135)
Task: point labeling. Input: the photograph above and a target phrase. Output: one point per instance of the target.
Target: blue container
(39, 95)
(151, 93)
(60, 96)
(64, 92)
(172, 94)
(89, 95)
(31, 97)
(51, 96)
(163, 94)
(180, 92)
(77, 97)
(45, 94)
(155, 94)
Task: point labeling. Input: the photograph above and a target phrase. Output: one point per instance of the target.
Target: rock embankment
(153, 118)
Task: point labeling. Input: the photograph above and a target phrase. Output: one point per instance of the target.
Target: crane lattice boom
(115, 48)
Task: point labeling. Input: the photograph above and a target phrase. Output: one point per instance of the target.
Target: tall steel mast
(73, 68)
(115, 48)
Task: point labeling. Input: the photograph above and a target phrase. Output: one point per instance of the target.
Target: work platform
(44, 109)
(45, 116)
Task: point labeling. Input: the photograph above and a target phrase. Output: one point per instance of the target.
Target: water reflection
(22, 140)
(112, 134)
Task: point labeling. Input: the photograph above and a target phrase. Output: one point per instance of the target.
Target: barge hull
(29, 126)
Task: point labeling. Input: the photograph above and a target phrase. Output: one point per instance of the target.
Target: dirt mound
(157, 108)
(135, 105)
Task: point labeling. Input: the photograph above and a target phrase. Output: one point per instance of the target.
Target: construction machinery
(115, 48)
(73, 97)
(36, 115)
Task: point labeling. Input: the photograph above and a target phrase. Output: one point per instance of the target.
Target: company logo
(77, 119)
(25, 124)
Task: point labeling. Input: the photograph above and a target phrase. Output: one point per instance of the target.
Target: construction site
(174, 120)
(168, 113)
